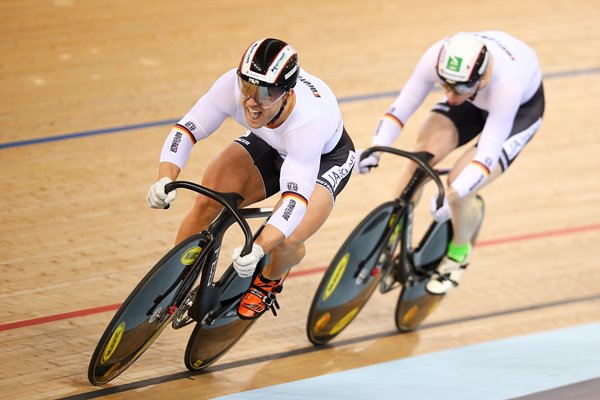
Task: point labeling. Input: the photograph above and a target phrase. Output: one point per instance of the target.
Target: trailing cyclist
(493, 90)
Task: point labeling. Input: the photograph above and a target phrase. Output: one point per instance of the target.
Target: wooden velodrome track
(76, 234)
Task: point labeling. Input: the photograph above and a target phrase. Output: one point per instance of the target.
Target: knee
(463, 203)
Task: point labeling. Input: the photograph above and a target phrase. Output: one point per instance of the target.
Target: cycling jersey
(313, 128)
(516, 78)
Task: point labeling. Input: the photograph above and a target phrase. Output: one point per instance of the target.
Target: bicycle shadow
(340, 355)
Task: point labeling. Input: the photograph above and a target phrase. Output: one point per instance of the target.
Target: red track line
(57, 317)
(307, 271)
(530, 236)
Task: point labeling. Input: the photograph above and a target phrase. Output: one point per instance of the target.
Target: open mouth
(253, 114)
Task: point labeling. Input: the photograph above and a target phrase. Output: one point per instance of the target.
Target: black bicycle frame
(225, 289)
(411, 258)
(217, 295)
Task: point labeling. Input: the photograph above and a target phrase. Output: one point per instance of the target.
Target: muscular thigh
(438, 136)
(233, 170)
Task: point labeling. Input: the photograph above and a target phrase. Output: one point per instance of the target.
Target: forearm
(269, 238)
(169, 170)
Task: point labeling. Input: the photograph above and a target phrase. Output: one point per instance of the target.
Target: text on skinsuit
(175, 142)
(288, 210)
(310, 86)
(338, 172)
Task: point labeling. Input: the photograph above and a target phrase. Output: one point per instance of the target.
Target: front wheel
(146, 312)
(415, 302)
(354, 273)
(219, 328)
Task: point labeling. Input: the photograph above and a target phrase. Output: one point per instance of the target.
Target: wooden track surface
(76, 233)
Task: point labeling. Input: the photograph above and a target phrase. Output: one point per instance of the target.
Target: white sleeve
(210, 110)
(299, 173)
(411, 97)
(503, 109)
(201, 121)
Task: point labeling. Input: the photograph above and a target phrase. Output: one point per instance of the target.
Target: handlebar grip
(421, 158)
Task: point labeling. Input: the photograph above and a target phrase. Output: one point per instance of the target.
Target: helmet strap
(276, 117)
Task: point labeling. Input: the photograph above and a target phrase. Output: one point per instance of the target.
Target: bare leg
(466, 212)
(232, 170)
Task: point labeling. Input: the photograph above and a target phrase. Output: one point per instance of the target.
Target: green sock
(458, 253)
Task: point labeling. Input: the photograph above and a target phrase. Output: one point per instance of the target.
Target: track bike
(379, 252)
(181, 289)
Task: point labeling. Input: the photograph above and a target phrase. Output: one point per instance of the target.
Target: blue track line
(350, 99)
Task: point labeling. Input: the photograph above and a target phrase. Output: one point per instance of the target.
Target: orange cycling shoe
(259, 298)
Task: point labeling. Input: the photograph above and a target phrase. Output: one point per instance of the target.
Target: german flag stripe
(295, 196)
(485, 169)
(393, 118)
(185, 130)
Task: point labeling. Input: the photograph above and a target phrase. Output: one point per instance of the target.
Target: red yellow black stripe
(295, 196)
(185, 130)
(485, 169)
(394, 118)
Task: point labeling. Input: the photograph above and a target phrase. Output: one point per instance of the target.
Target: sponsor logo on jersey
(191, 126)
(243, 141)
(175, 142)
(312, 88)
(288, 209)
(338, 172)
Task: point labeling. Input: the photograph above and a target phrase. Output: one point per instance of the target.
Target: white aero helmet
(463, 59)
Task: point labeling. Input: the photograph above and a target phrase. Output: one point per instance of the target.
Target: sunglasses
(460, 88)
(264, 96)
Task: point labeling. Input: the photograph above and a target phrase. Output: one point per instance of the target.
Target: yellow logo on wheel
(344, 321)
(113, 343)
(191, 255)
(336, 276)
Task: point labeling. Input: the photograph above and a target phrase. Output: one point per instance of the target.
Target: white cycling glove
(441, 214)
(364, 166)
(156, 197)
(246, 265)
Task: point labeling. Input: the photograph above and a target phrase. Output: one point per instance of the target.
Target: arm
(503, 109)
(410, 98)
(300, 166)
(202, 120)
(297, 180)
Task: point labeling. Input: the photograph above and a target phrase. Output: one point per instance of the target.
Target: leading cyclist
(295, 143)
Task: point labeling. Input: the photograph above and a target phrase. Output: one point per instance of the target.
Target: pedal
(180, 319)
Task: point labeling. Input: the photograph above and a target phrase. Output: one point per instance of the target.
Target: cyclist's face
(261, 104)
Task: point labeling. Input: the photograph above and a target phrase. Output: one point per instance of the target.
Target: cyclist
(493, 90)
(295, 143)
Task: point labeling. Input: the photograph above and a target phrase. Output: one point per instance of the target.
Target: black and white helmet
(271, 63)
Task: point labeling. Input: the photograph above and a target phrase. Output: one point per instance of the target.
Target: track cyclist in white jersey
(295, 143)
(493, 90)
